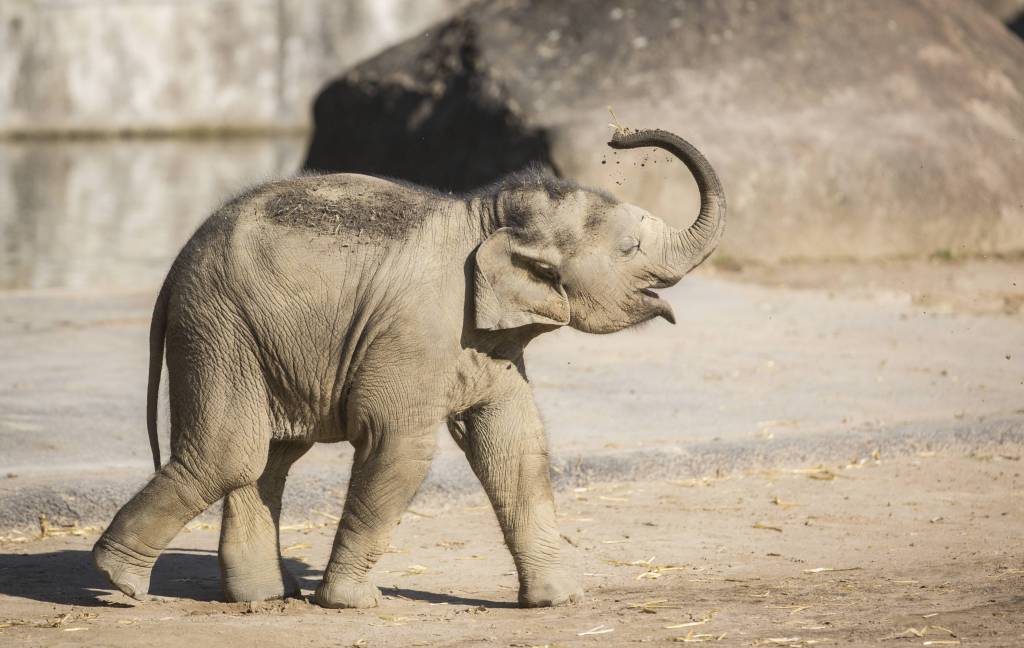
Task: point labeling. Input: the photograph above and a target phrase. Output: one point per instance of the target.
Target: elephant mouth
(658, 306)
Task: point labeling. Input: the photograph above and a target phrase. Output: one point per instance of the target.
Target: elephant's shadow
(68, 577)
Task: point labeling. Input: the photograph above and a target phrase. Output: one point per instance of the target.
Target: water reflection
(111, 214)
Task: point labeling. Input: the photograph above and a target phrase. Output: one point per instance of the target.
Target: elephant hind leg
(250, 553)
(142, 529)
(219, 443)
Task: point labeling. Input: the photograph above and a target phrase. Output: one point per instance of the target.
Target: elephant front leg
(250, 555)
(505, 445)
(385, 476)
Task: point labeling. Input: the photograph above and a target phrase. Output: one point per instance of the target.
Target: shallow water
(110, 214)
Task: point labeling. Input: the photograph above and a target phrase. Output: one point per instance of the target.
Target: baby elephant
(353, 308)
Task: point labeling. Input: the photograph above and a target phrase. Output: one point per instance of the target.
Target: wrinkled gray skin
(351, 308)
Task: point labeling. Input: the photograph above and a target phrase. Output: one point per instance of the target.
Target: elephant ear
(509, 293)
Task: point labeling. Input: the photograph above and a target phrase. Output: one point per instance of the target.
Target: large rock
(1010, 12)
(841, 129)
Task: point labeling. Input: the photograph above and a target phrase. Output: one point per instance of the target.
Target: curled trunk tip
(698, 241)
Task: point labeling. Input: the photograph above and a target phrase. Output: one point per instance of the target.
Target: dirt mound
(841, 129)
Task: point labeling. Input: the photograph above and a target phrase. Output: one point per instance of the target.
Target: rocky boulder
(1010, 12)
(840, 129)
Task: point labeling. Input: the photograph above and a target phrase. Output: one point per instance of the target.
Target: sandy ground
(941, 284)
(919, 550)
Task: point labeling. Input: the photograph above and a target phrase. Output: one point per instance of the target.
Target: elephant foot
(278, 584)
(550, 591)
(125, 569)
(344, 593)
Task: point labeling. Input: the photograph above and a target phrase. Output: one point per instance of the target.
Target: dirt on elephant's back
(367, 209)
(923, 548)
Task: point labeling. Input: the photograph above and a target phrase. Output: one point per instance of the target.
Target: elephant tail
(157, 331)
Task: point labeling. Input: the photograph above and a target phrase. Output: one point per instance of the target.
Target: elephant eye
(629, 247)
(545, 270)
(540, 269)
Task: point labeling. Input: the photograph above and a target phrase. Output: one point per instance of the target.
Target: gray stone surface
(171, 65)
(841, 129)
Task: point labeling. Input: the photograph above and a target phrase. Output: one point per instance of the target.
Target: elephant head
(567, 255)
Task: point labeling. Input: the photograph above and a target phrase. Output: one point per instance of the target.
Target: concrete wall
(111, 213)
(173, 65)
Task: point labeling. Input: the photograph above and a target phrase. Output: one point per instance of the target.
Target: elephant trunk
(688, 247)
